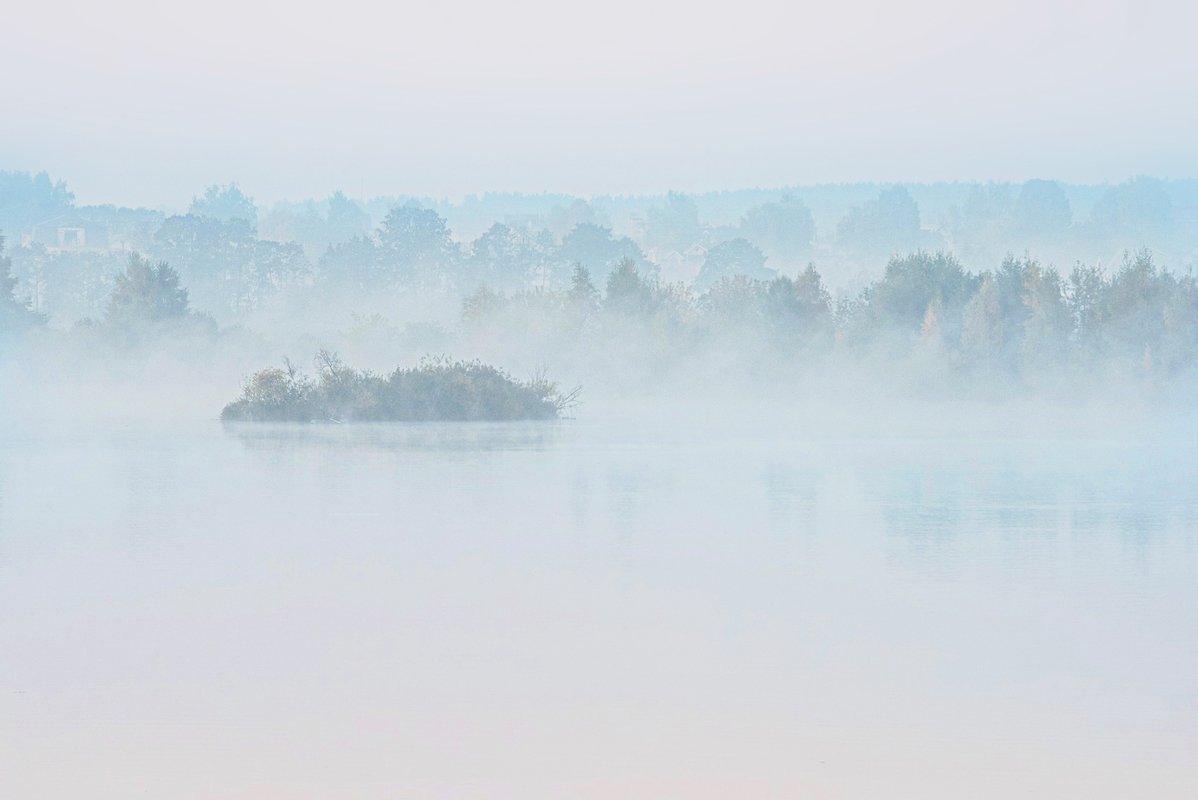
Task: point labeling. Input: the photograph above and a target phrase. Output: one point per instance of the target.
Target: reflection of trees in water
(1015, 507)
(464, 437)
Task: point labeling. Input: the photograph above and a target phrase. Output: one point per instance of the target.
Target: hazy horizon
(136, 102)
(112, 196)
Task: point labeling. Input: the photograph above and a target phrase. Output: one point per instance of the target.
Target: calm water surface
(594, 609)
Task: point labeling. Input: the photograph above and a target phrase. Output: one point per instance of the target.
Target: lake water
(595, 609)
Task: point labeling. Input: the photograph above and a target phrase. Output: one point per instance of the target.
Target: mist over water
(934, 535)
(596, 607)
(638, 400)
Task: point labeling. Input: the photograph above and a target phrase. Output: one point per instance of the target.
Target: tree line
(238, 259)
(1020, 322)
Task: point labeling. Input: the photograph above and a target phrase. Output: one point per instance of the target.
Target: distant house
(67, 233)
(695, 255)
(94, 229)
(72, 238)
(679, 266)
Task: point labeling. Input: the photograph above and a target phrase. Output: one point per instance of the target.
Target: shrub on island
(437, 389)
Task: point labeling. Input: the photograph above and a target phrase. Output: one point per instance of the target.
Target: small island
(438, 389)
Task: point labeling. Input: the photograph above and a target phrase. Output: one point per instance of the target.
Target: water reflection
(1029, 505)
(643, 609)
(428, 436)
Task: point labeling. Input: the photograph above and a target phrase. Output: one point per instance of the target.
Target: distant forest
(1035, 282)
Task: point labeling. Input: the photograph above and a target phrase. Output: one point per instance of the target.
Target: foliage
(436, 390)
(27, 199)
(146, 292)
(583, 298)
(884, 225)
(15, 316)
(784, 230)
(1042, 211)
(913, 283)
(554, 281)
(675, 225)
(628, 293)
(737, 257)
(597, 249)
(416, 240)
(225, 264)
(1133, 210)
(504, 257)
(225, 203)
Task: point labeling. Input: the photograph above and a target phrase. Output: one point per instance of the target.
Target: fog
(699, 607)
(640, 400)
(1040, 291)
(140, 103)
(829, 491)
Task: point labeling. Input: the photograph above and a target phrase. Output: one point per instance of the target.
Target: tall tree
(784, 230)
(15, 316)
(1047, 326)
(1042, 211)
(582, 299)
(416, 244)
(1134, 305)
(982, 326)
(913, 284)
(628, 294)
(1134, 212)
(26, 200)
(147, 292)
(228, 268)
(345, 219)
(1084, 297)
(733, 258)
(225, 203)
(800, 309)
(674, 225)
(502, 257)
(888, 224)
(597, 249)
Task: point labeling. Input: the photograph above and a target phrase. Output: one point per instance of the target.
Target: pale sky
(147, 102)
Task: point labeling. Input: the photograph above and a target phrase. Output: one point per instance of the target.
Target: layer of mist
(866, 491)
(1066, 294)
